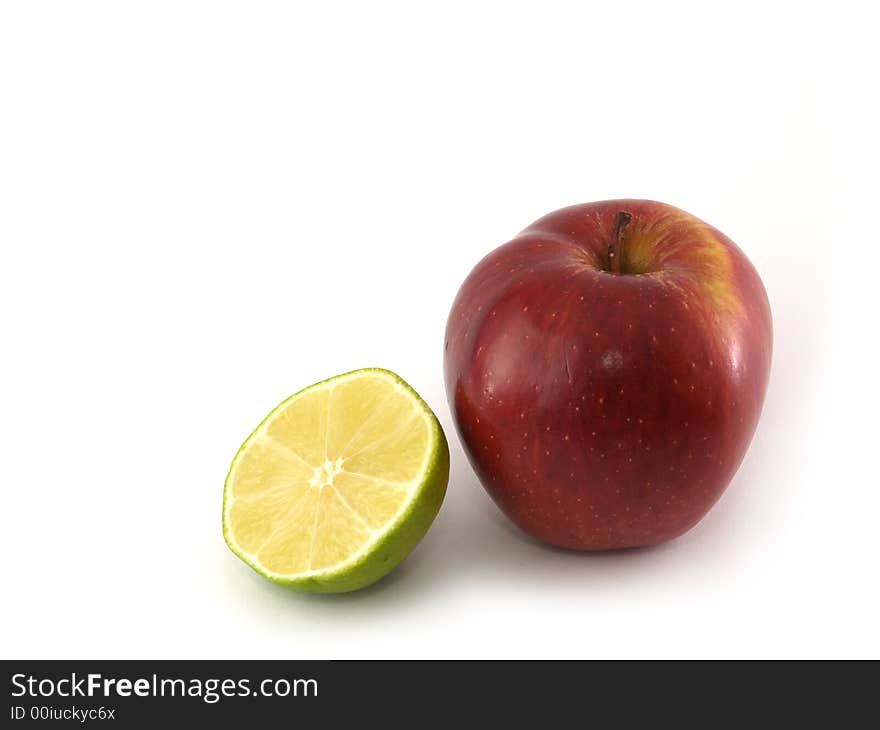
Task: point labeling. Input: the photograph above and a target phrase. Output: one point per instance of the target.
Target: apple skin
(607, 410)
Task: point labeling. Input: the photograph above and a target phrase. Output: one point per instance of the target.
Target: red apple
(606, 369)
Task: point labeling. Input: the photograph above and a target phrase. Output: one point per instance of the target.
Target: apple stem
(615, 248)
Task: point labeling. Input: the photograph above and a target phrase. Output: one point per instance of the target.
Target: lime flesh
(338, 484)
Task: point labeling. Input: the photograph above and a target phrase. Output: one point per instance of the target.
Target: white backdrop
(205, 206)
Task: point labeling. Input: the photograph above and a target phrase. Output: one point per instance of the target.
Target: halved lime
(338, 484)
